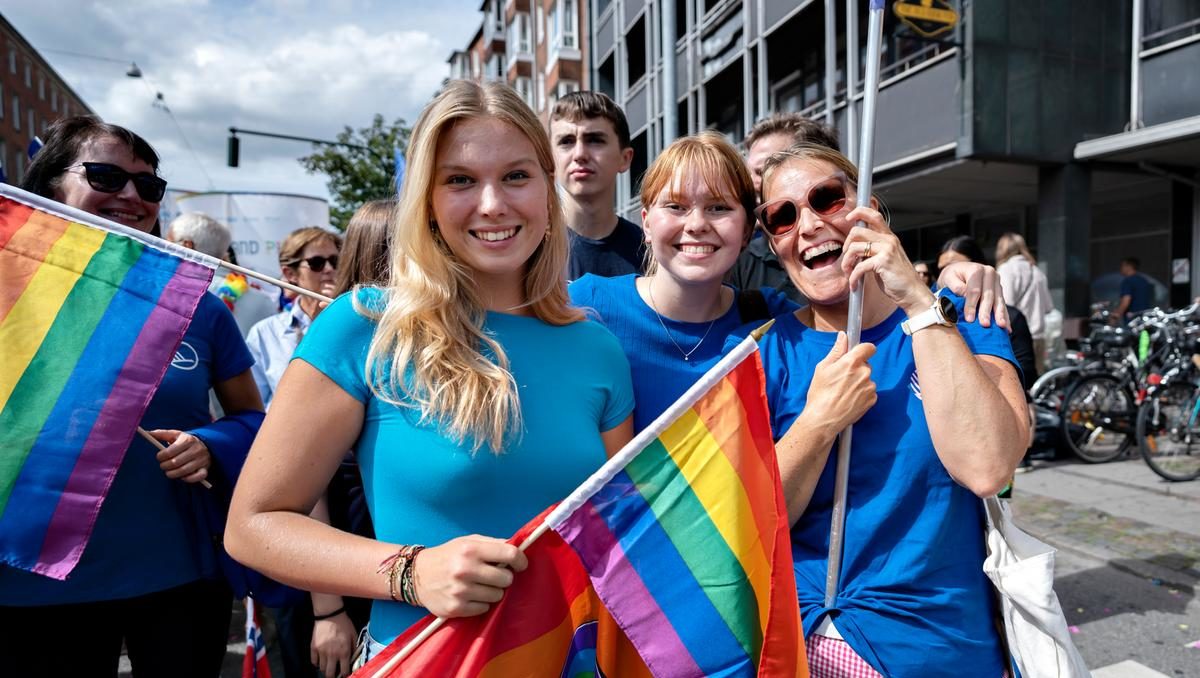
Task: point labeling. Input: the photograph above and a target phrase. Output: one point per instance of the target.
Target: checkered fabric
(833, 658)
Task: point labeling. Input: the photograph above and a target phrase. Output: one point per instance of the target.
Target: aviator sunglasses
(826, 197)
(317, 264)
(108, 178)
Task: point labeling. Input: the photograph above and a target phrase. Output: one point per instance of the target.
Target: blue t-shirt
(424, 488)
(660, 373)
(619, 253)
(914, 600)
(1140, 292)
(146, 539)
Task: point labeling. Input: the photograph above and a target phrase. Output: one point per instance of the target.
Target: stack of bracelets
(401, 574)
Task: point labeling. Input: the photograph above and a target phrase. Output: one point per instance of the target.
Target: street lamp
(234, 146)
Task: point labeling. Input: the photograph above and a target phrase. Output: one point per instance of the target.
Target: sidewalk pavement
(1119, 512)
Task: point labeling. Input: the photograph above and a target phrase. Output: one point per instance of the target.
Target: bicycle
(1168, 420)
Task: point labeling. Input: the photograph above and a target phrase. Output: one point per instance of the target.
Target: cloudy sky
(301, 67)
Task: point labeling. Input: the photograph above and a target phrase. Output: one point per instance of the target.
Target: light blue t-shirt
(146, 538)
(660, 373)
(423, 488)
(914, 600)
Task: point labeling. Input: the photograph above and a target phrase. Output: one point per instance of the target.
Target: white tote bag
(1022, 570)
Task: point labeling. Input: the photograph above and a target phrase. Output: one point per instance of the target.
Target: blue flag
(35, 145)
(399, 160)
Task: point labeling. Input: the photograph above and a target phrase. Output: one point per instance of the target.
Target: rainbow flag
(549, 623)
(90, 317)
(686, 537)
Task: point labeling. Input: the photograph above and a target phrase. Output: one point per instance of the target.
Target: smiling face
(125, 206)
(695, 233)
(490, 200)
(587, 155)
(812, 251)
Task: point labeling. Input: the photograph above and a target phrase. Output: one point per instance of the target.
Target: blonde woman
(456, 385)
(1026, 288)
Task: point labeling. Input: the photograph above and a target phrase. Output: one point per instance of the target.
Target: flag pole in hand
(866, 161)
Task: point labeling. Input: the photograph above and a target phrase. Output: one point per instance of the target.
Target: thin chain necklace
(654, 307)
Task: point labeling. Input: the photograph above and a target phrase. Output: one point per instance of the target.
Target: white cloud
(285, 66)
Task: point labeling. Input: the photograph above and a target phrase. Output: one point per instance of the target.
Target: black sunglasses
(317, 264)
(826, 197)
(109, 178)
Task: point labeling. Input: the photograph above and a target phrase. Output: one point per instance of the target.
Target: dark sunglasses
(317, 264)
(108, 178)
(826, 197)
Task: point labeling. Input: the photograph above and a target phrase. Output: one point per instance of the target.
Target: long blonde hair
(430, 351)
(1010, 245)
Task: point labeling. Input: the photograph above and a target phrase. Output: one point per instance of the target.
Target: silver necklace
(654, 307)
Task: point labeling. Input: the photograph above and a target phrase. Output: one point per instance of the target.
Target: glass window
(1165, 21)
(16, 111)
(12, 60)
(32, 127)
(54, 99)
(41, 87)
(28, 74)
(570, 22)
(540, 22)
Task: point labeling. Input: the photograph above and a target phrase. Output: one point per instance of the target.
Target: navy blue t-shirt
(1140, 292)
(145, 538)
(620, 253)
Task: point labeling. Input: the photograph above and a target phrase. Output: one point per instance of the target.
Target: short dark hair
(801, 129)
(583, 105)
(1134, 262)
(61, 147)
(966, 246)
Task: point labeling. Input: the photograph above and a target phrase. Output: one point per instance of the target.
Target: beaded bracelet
(401, 572)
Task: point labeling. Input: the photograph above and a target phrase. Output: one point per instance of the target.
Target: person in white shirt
(1025, 287)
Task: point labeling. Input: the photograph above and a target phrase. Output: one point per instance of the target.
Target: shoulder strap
(752, 305)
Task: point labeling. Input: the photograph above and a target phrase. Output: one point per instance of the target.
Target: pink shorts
(833, 658)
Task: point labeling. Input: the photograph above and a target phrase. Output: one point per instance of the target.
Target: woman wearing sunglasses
(946, 424)
(308, 258)
(456, 385)
(147, 578)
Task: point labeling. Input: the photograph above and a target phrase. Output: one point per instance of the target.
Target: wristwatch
(941, 313)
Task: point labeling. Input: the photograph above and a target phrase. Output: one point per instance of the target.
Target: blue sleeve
(993, 341)
(230, 355)
(777, 302)
(254, 342)
(612, 361)
(583, 296)
(337, 343)
(1127, 286)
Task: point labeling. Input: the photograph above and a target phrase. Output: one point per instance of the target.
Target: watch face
(949, 312)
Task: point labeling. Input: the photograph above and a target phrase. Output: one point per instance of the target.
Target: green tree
(362, 170)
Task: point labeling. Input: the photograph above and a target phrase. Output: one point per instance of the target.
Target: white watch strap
(920, 321)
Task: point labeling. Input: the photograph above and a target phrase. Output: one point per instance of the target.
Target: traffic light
(234, 144)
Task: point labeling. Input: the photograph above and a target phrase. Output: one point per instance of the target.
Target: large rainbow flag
(685, 534)
(549, 623)
(90, 317)
(684, 538)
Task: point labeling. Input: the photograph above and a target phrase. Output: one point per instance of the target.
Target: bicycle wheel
(1168, 435)
(1097, 418)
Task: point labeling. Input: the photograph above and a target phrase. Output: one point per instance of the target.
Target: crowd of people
(499, 306)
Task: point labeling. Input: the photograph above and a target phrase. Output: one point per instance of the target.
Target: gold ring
(867, 255)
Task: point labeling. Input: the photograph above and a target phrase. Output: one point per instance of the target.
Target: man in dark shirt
(758, 266)
(590, 138)
(1137, 293)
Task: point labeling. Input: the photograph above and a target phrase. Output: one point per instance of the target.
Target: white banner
(259, 221)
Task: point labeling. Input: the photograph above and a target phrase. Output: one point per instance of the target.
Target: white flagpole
(866, 160)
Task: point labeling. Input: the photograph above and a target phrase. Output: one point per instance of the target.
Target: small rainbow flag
(90, 317)
(685, 534)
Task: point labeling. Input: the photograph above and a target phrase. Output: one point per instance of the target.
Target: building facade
(32, 95)
(535, 46)
(1072, 122)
